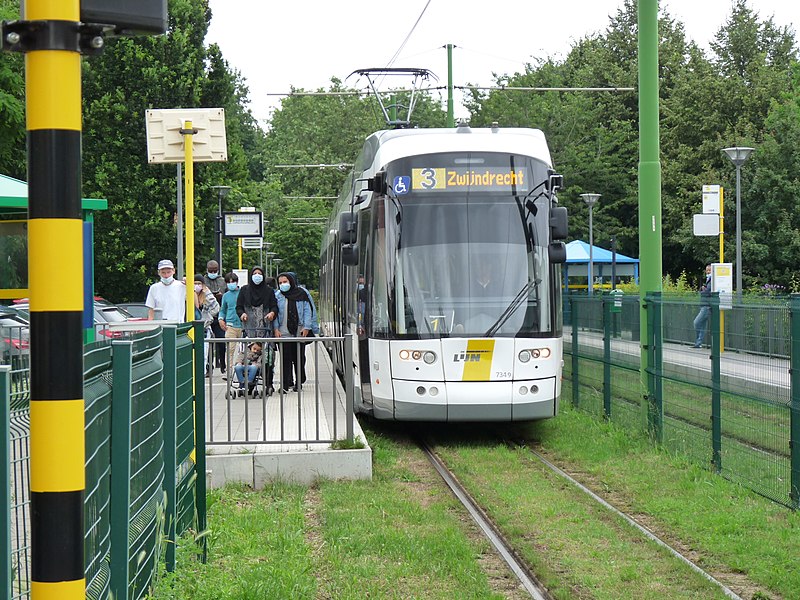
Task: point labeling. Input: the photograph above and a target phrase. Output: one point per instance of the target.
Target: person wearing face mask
(214, 281)
(295, 320)
(167, 295)
(206, 308)
(229, 321)
(257, 308)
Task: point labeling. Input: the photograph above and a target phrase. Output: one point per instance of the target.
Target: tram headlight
(429, 357)
(404, 354)
(416, 355)
(533, 353)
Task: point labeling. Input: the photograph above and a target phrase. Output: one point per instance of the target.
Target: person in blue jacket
(701, 320)
(295, 319)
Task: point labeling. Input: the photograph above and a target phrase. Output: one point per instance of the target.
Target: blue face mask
(233, 286)
(285, 287)
(257, 278)
(167, 280)
(213, 276)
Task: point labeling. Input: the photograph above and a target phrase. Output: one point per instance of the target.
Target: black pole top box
(128, 16)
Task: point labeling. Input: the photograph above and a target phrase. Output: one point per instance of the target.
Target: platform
(285, 436)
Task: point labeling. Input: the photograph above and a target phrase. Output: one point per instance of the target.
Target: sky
(277, 45)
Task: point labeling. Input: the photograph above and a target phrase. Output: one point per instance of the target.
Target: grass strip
(257, 550)
(731, 529)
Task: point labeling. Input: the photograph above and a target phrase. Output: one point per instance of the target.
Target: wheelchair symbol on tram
(401, 184)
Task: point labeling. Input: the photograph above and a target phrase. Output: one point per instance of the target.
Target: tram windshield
(461, 248)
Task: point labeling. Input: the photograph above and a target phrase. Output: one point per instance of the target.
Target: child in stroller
(249, 363)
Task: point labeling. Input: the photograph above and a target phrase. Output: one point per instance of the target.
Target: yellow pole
(188, 155)
(722, 260)
(240, 254)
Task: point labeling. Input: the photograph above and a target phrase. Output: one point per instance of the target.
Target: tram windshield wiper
(512, 307)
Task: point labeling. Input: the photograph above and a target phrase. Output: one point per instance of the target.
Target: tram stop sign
(129, 17)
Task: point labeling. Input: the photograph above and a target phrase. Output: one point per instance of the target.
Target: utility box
(129, 17)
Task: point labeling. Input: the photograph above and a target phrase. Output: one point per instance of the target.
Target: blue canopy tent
(578, 263)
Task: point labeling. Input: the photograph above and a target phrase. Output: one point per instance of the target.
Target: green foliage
(131, 76)
(12, 104)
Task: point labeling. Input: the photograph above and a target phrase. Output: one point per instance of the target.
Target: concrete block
(227, 468)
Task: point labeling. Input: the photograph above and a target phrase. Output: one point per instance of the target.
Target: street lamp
(275, 262)
(222, 192)
(590, 199)
(738, 156)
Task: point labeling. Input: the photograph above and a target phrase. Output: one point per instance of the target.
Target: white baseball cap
(163, 264)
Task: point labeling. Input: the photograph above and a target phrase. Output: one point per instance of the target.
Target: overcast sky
(278, 44)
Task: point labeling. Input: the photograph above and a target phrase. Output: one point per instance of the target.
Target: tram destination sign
(490, 178)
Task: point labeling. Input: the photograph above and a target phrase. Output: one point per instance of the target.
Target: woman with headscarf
(295, 320)
(257, 308)
(256, 305)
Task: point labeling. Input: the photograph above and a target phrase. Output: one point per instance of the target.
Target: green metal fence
(140, 461)
(732, 404)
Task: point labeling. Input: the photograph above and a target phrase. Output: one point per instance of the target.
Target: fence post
(5, 478)
(655, 405)
(122, 373)
(716, 404)
(169, 335)
(576, 396)
(794, 413)
(348, 385)
(608, 302)
(200, 435)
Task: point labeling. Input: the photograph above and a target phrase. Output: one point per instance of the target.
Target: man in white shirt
(167, 295)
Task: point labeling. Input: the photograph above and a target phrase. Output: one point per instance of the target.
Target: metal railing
(273, 410)
(142, 485)
(732, 404)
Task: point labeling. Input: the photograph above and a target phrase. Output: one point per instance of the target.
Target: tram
(442, 258)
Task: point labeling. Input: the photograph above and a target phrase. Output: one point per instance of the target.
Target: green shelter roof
(14, 197)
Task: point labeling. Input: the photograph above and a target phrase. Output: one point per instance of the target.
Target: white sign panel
(165, 142)
(242, 224)
(722, 282)
(242, 275)
(712, 194)
(706, 224)
(252, 243)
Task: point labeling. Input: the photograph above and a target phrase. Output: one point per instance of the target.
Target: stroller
(253, 362)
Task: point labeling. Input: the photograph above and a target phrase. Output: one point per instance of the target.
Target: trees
(132, 75)
(12, 104)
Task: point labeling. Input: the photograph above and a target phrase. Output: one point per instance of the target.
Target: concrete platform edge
(303, 467)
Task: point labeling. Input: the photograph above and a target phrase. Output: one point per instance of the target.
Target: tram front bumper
(471, 400)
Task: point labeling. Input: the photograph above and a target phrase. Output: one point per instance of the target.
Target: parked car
(104, 313)
(138, 309)
(15, 335)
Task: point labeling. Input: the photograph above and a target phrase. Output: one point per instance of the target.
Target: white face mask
(198, 288)
(167, 280)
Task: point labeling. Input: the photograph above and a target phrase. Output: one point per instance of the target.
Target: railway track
(520, 569)
(505, 549)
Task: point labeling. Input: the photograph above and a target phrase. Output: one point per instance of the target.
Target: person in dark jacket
(295, 320)
(256, 305)
(257, 308)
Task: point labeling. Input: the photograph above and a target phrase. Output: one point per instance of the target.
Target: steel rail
(507, 553)
(646, 532)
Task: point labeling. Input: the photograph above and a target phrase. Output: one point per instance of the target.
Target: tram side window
(380, 301)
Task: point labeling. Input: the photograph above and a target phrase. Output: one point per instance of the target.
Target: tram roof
(399, 143)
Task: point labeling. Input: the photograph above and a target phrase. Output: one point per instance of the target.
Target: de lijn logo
(469, 355)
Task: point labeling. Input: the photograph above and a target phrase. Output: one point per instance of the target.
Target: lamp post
(222, 192)
(275, 262)
(738, 156)
(590, 199)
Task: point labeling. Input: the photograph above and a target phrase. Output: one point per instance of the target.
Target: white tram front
(443, 260)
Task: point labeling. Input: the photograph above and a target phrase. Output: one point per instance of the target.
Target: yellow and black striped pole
(55, 255)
